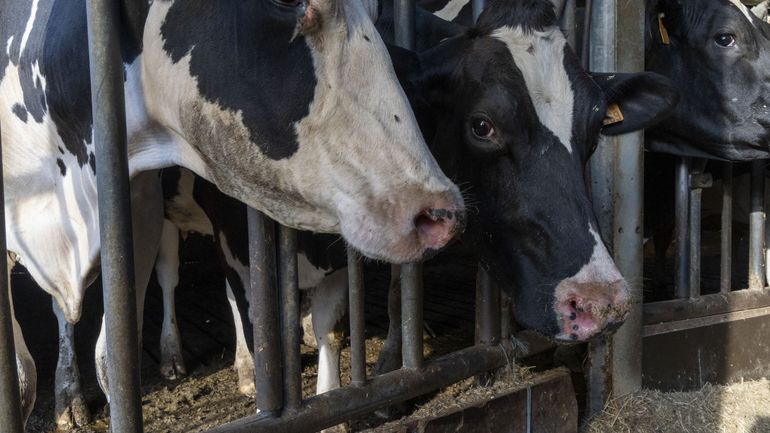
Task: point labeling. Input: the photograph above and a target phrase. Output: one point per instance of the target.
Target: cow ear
(636, 101)
(372, 8)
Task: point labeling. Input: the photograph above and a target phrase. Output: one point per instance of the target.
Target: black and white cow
(718, 55)
(290, 106)
(511, 115)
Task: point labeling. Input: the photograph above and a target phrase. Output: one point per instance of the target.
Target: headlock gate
(615, 42)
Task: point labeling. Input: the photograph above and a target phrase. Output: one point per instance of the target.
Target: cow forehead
(539, 55)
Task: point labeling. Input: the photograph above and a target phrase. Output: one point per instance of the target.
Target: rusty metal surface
(718, 354)
(707, 305)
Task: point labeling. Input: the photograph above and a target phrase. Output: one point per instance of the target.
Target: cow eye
(725, 40)
(482, 128)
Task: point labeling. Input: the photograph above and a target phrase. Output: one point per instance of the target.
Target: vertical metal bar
(478, 8)
(290, 327)
(10, 401)
(616, 32)
(411, 310)
(487, 309)
(726, 259)
(569, 23)
(117, 264)
(696, 204)
(757, 226)
(404, 20)
(266, 318)
(506, 317)
(357, 324)
(682, 219)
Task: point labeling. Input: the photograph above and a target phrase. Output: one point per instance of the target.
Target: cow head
(516, 121)
(718, 54)
(292, 106)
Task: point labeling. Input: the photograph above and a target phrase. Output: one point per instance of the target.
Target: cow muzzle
(586, 310)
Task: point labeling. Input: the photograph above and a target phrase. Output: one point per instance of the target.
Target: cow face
(516, 126)
(293, 107)
(718, 54)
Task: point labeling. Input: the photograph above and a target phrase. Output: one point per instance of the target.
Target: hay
(738, 408)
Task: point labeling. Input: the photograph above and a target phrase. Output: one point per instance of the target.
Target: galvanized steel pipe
(290, 326)
(266, 318)
(117, 258)
(10, 401)
(357, 322)
(757, 226)
(726, 259)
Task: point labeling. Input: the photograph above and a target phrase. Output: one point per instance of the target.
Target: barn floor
(209, 396)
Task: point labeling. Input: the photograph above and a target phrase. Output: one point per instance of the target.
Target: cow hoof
(246, 385)
(173, 367)
(71, 412)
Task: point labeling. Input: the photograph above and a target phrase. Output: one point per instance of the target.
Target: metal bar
(506, 317)
(404, 21)
(615, 31)
(411, 310)
(569, 23)
(682, 219)
(266, 319)
(357, 323)
(10, 401)
(487, 309)
(757, 226)
(290, 327)
(588, 40)
(706, 305)
(117, 258)
(340, 405)
(702, 322)
(478, 8)
(696, 205)
(726, 259)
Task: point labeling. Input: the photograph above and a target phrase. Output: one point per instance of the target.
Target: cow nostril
(435, 227)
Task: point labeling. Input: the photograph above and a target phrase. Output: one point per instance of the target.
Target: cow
(718, 55)
(291, 106)
(505, 106)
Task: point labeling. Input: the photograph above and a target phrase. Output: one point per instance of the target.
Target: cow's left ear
(643, 100)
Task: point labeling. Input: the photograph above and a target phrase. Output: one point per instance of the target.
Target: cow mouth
(583, 319)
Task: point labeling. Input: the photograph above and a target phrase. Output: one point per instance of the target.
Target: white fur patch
(540, 57)
(451, 10)
(601, 267)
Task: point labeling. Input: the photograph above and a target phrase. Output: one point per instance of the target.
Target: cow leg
(71, 408)
(390, 355)
(147, 221)
(328, 305)
(244, 363)
(167, 269)
(25, 365)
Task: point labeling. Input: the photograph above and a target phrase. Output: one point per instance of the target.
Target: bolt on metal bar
(411, 311)
(478, 8)
(488, 326)
(290, 327)
(10, 400)
(117, 258)
(757, 226)
(682, 219)
(357, 322)
(726, 259)
(266, 318)
(696, 208)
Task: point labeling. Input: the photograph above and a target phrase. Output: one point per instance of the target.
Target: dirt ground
(739, 408)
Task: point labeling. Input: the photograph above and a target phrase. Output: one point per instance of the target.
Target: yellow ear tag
(614, 115)
(663, 31)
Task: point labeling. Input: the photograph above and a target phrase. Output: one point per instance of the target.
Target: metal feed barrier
(616, 44)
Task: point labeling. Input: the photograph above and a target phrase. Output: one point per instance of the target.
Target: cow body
(211, 95)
